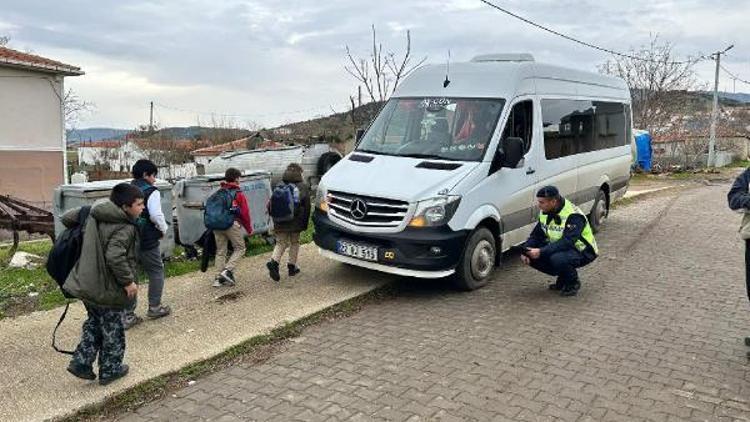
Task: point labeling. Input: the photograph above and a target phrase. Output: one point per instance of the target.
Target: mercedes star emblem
(358, 209)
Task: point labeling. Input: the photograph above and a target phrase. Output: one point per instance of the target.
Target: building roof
(100, 144)
(17, 59)
(238, 145)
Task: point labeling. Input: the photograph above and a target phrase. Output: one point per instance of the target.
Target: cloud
(266, 57)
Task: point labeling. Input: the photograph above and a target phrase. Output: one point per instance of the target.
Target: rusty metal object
(17, 215)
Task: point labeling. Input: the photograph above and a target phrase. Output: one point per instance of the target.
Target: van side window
(576, 127)
(521, 123)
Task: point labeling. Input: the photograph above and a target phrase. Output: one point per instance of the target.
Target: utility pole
(715, 112)
(151, 119)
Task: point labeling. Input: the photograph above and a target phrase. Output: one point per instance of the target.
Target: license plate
(367, 253)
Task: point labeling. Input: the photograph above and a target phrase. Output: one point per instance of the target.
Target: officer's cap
(548, 192)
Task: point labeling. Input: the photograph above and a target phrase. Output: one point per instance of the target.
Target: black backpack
(63, 258)
(66, 251)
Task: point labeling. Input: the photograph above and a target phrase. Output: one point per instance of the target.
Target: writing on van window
(435, 102)
(463, 147)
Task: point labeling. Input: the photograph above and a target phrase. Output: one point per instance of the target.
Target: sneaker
(227, 277)
(131, 320)
(293, 270)
(124, 369)
(273, 270)
(747, 341)
(218, 282)
(158, 311)
(81, 371)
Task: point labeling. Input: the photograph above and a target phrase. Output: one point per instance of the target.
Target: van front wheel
(599, 212)
(477, 260)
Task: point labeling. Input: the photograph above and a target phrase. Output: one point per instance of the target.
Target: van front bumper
(426, 253)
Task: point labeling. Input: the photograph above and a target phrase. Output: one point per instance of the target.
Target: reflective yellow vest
(554, 231)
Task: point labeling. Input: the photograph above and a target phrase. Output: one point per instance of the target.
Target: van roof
(507, 76)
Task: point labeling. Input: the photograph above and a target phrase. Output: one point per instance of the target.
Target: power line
(584, 43)
(733, 76)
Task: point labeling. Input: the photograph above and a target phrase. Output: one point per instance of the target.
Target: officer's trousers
(563, 265)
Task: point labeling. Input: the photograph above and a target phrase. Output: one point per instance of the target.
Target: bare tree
(74, 108)
(4, 40)
(659, 83)
(684, 144)
(380, 73)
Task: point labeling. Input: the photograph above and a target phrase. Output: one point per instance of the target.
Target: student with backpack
(226, 213)
(290, 211)
(104, 279)
(153, 226)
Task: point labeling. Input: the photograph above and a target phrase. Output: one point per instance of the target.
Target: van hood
(397, 178)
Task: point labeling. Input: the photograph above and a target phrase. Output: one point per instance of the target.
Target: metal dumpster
(274, 161)
(191, 195)
(71, 196)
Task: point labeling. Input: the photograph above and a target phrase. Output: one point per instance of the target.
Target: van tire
(477, 261)
(599, 211)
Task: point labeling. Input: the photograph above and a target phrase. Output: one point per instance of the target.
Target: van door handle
(530, 171)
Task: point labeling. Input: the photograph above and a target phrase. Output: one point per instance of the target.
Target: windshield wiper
(367, 151)
(430, 157)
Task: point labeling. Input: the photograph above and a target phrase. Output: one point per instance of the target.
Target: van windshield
(438, 128)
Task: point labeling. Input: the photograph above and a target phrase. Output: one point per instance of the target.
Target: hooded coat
(108, 256)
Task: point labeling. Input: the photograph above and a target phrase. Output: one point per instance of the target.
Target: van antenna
(447, 81)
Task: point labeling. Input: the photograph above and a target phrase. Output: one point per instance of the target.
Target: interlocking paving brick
(655, 335)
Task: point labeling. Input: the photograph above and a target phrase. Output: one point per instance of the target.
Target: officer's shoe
(570, 290)
(124, 369)
(81, 371)
(556, 286)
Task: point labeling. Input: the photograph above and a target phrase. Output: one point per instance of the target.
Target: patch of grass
(23, 291)
(255, 350)
(740, 164)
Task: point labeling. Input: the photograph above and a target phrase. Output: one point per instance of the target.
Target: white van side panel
(610, 167)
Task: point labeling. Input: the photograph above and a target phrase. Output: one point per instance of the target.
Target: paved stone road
(655, 335)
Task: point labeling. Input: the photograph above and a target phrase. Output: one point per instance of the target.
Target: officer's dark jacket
(738, 196)
(573, 229)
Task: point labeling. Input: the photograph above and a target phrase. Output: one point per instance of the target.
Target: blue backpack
(219, 213)
(284, 202)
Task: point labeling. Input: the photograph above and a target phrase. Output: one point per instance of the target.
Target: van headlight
(435, 212)
(321, 198)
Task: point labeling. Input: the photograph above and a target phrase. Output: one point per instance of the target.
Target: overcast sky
(275, 61)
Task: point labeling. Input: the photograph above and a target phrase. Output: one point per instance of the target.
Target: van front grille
(367, 211)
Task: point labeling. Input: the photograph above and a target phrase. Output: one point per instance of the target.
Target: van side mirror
(360, 134)
(512, 152)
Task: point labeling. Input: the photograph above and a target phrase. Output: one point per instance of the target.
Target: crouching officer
(561, 242)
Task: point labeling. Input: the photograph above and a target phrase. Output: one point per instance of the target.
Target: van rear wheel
(477, 261)
(599, 212)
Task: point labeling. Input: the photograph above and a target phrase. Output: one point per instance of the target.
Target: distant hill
(739, 97)
(76, 136)
(336, 127)
(202, 133)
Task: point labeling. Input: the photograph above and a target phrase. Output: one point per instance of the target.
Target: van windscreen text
(434, 128)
